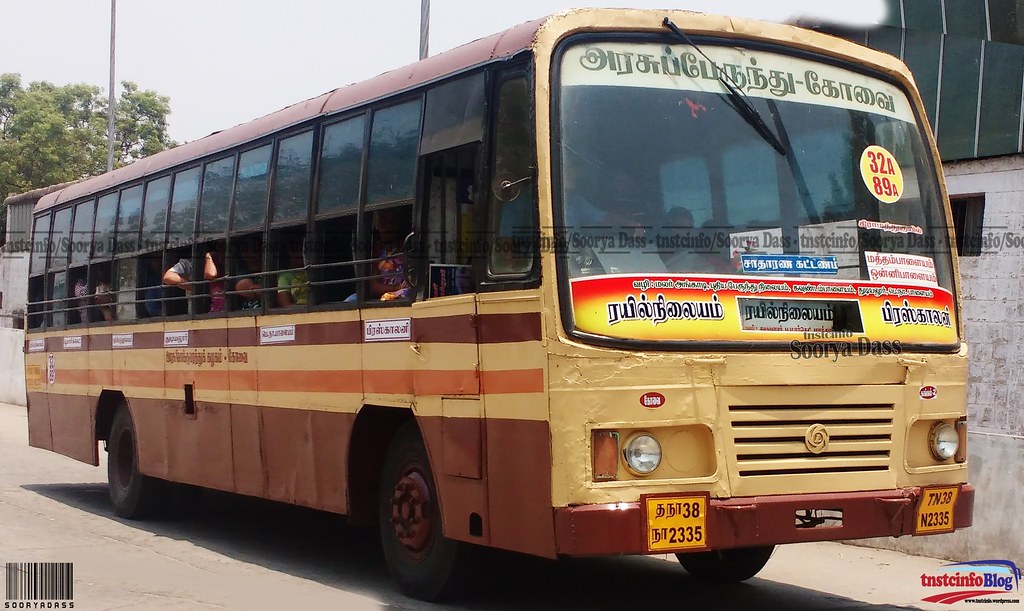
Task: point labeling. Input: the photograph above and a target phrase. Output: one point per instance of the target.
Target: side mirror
(507, 187)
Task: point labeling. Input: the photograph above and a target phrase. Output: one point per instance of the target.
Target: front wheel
(425, 564)
(727, 565)
(133, 494)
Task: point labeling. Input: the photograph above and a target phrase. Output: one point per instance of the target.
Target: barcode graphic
(40, 581)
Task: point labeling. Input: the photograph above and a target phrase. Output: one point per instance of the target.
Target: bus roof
(496, 46)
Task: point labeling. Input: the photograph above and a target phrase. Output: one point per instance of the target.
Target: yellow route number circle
(881, 174)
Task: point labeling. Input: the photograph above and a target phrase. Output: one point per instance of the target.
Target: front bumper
(618, 528)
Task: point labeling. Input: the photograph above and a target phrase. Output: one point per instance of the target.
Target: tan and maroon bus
(610, 282)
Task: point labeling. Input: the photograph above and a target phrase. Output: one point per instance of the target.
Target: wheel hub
(412, 515)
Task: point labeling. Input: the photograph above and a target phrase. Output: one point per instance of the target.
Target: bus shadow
(319, 546)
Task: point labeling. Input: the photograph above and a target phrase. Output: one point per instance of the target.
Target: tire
(133, 494)
(727, 565)
(424, 563)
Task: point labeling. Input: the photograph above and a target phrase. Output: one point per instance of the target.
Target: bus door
(444, 333)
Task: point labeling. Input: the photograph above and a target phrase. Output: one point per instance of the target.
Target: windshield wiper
(738, 100)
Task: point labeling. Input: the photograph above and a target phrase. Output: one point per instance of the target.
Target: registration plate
(935, 512)
(676, 522)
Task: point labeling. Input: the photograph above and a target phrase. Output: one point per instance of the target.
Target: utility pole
(424, 28)
(112, 101)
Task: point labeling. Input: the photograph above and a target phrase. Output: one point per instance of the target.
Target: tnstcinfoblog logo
(979, 581)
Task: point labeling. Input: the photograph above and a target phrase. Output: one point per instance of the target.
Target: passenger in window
(250, 285)
(389, 283)
(292, 285)
(81, 293)
(152, 294)
(103, 297)
(180, 275)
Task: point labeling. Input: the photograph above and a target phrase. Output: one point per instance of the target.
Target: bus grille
(772, 439)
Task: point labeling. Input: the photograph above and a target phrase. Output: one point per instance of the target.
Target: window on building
(968, 214)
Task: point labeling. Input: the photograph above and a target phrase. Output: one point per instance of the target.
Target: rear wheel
(727, 565)
(425, 564)
(133, 494)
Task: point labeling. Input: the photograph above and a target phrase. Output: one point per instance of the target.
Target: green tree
(51, 134)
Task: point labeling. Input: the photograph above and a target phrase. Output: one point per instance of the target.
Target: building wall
(12, 366)
(993, 300)
(13, 285)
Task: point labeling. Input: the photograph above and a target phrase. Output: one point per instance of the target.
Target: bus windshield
(682, 221)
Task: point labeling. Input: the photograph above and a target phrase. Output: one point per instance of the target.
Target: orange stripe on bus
(309, 381)
(512, 381)
(458, 382)
(397, 381)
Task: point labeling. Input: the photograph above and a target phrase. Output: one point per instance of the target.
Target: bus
(610, 282)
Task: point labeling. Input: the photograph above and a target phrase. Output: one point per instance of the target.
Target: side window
(292, 172)
(512, 205)
(41, 244)
(127, 274)
(394, 145)
(78, 277)
(129, 213)
(101, 276)
(184, 200)
(213, 207)
(37, 269)
(57, 279)
(341, 163)
(154, 219)
(289, 260)
(106, 215)
(251, 188)
(81, 233)
(59, 239)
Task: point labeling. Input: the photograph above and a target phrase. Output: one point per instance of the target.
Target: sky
(225, 62)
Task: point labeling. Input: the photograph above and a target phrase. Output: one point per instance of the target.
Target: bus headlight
(642, 453)
(944, 441)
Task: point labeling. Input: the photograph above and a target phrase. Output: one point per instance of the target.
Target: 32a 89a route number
(882, 174)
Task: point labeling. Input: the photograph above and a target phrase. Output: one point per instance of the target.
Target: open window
(448, 239)
(334, 231)
(57, 274)
(246, 281)
(289, 258)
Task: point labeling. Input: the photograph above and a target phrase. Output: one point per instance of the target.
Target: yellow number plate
(676, 523)
(935, 512)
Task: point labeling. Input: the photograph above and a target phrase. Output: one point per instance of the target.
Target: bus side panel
(199, 447)
(246, 451)
(39, 433)
(151, 437)
(304, 454)
(72, 425)
(519, 474)
(454, 446)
